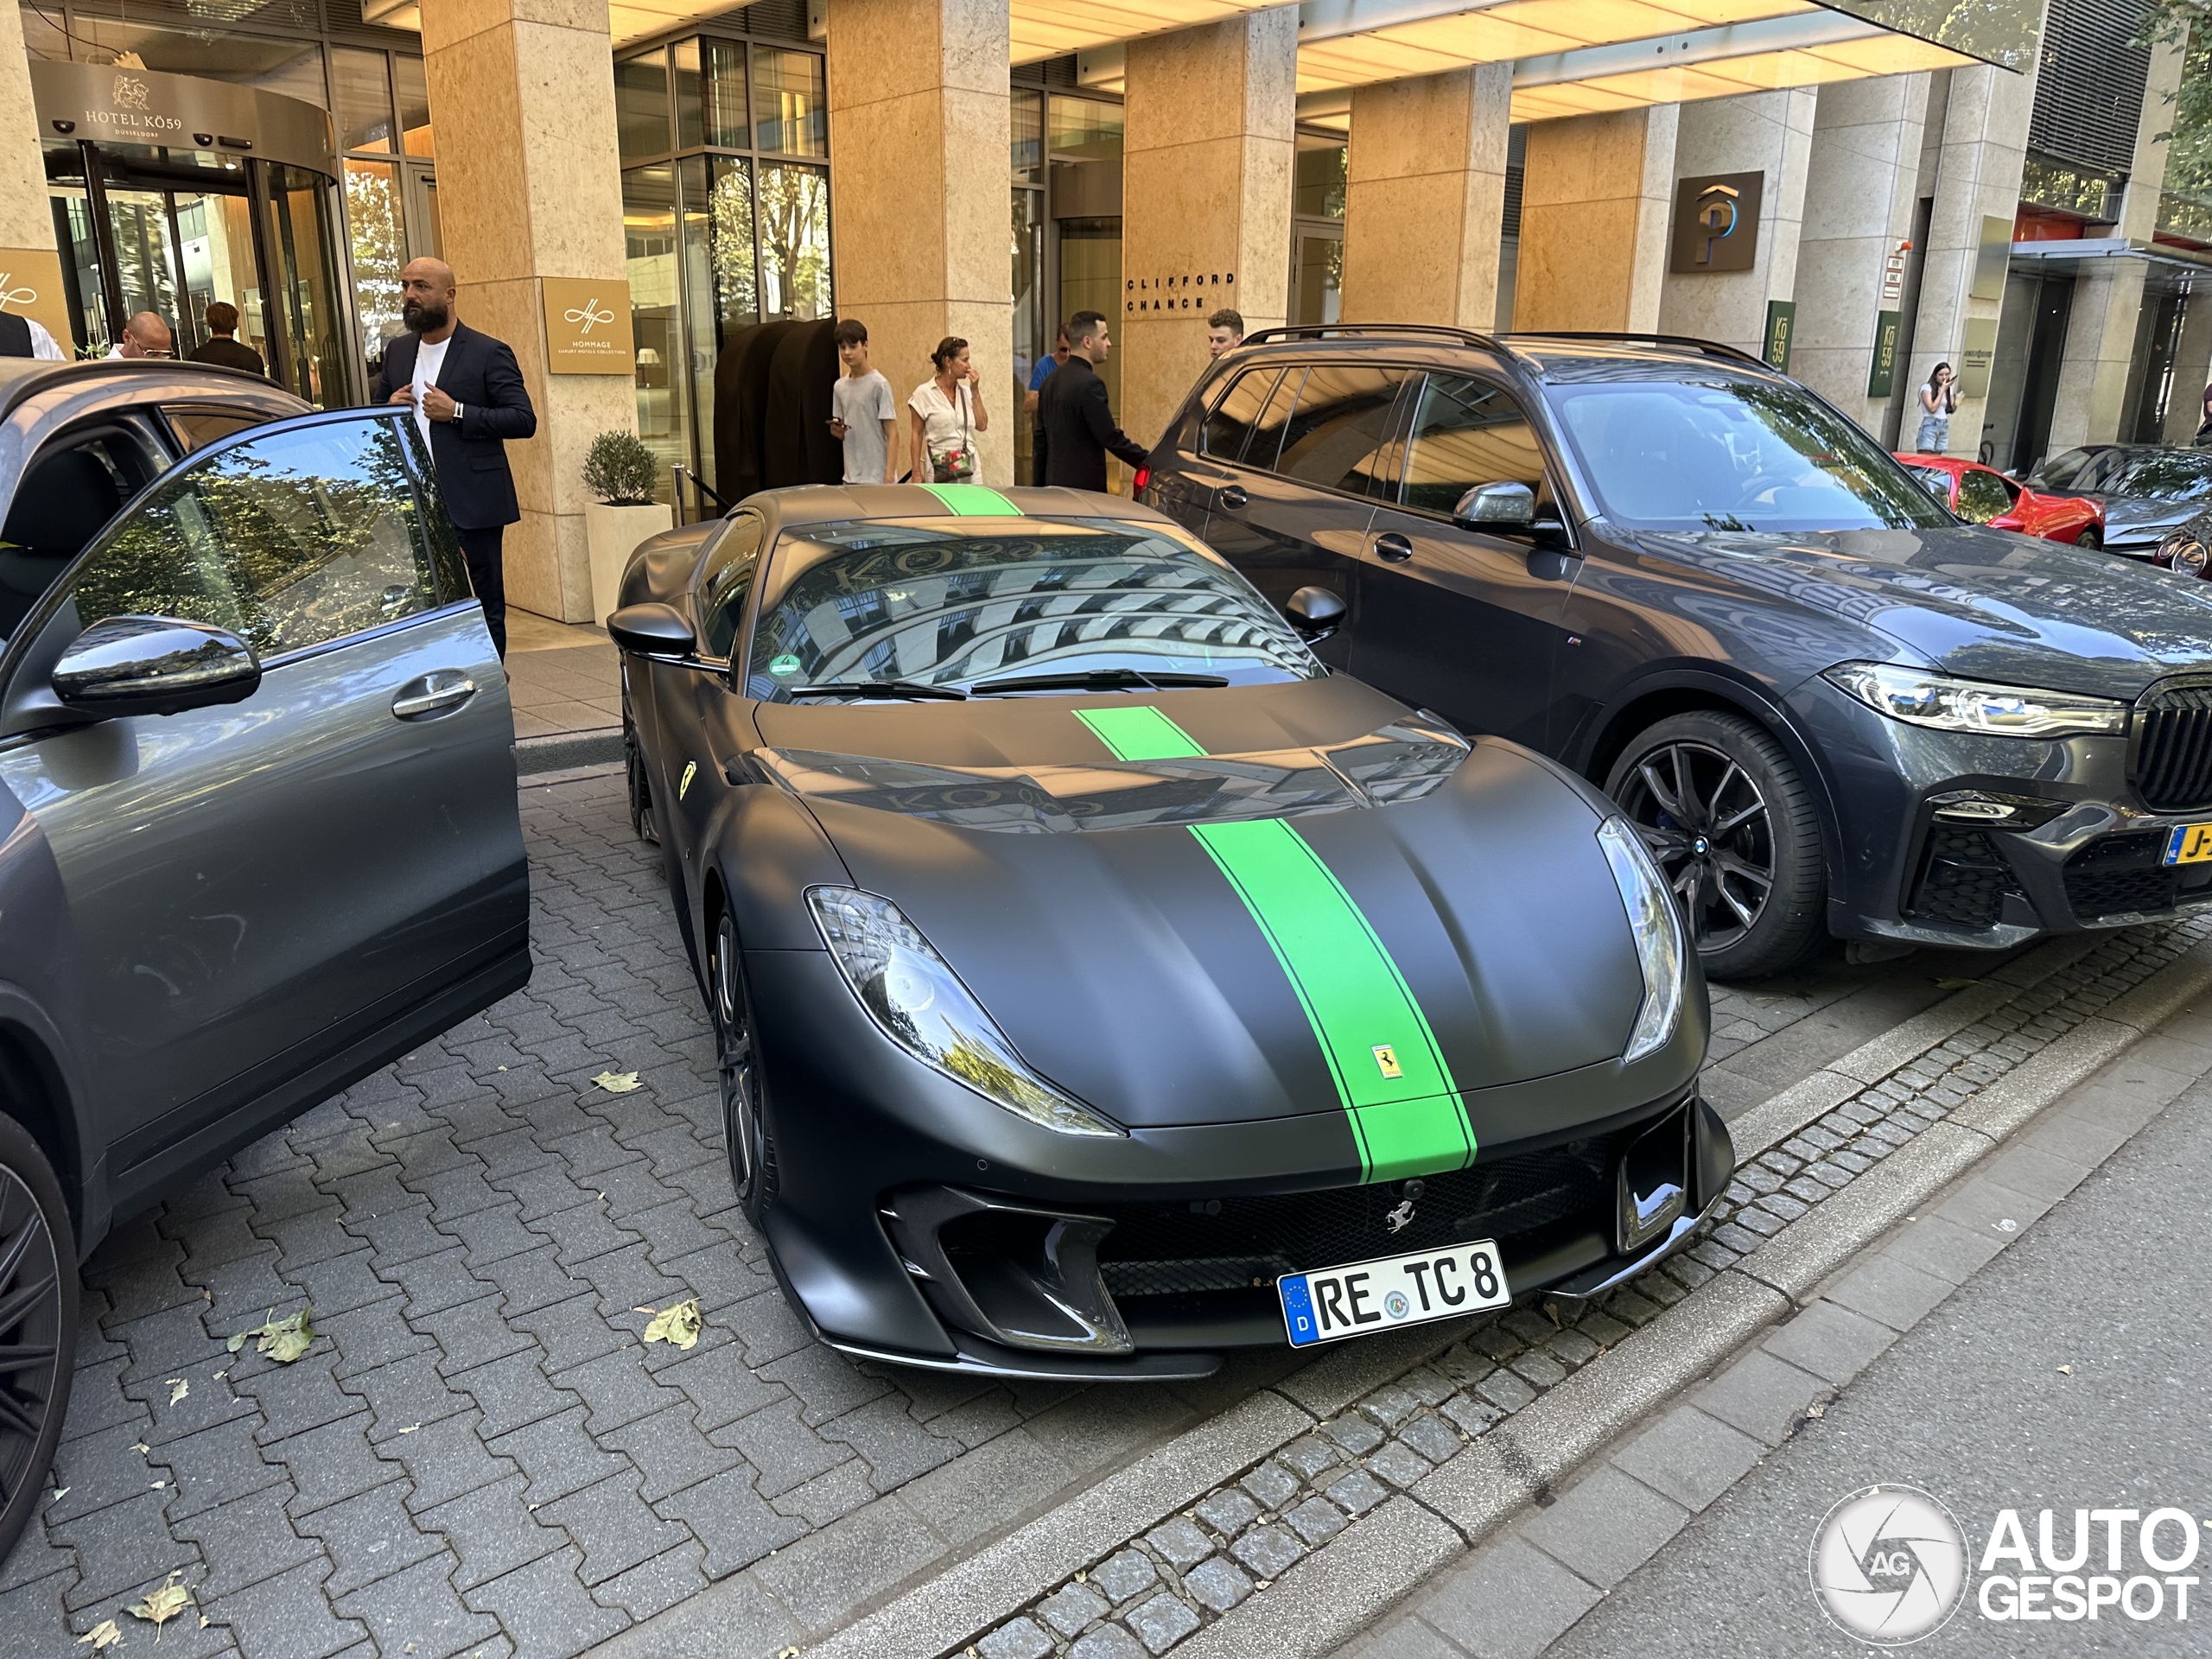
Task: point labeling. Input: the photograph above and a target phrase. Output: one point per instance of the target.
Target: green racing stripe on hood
(1389, 1073)
(974, 501)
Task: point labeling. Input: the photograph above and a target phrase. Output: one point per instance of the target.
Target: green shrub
(620, 471)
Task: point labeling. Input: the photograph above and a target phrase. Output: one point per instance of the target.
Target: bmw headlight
(2183, 554)
(912, 993)
(1657, 924)
(1954, 705)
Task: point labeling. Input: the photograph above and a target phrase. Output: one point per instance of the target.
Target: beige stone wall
(1425, 196)
(26, 221)
(1595, 198)
(522, 98)
(921, 214)
(1768, 133)
(1208, 146)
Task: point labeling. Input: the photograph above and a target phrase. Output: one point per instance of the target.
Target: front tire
(745, 1118)
(634, 762)
(1731, 822)
(2091, 540)
(38, 1325)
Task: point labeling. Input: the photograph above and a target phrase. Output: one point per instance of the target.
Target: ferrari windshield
(2161, 474)
(929, 604)
(1736, 454)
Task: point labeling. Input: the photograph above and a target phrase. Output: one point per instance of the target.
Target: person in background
(1939, 400)
(949, 412)
(468, 398)
(1074, 411)
(22, 336)
(222, 347)
(866, 416)
(1037, 376)
(2203, 432)
(144, 335)
(1225, 331)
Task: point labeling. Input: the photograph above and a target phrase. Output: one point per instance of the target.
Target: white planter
(613, 534)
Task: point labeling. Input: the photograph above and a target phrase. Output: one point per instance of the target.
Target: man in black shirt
(222, 349)
(1073, 414)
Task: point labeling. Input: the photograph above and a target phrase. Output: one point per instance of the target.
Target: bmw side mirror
(1508, 507)
(1315, 612)
(153, 665)
(652, 629)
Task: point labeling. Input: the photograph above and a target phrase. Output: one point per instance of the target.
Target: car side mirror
(652, 629)
(1315, 612)
(153, 665)
(1511, 507)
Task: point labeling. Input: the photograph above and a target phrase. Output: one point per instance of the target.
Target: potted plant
(622, 473)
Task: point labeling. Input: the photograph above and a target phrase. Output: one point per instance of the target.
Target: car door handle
(1392, 548)
(1231, 498)
(440, 691)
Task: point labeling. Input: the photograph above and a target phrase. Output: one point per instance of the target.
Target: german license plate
(2188, 843)
(1357, 1300)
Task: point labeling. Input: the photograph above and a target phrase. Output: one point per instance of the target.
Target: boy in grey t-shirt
(864, 413)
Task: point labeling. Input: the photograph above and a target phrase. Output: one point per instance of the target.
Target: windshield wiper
(879, 689)
(1099, 679)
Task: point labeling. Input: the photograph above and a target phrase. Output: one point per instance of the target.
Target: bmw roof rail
(1687, 342)
(1330, 330)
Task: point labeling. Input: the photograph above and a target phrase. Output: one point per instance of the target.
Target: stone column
(2192, 371)
(1209, 138)
(1595, 197)
(30, 267)
(1424, 198)
(921, 211)
(2100, 369)
(1977, 177)
(522, 96)
(1767, 133)
(1859, 192)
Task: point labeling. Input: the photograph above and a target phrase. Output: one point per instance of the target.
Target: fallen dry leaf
(178, 1388)
(61, 1492)
(2066, 1370)
(618, 1082)
(1954, 984)
(139, 1446)
(103, 1635)
(679, 1324)
(163, 1605)
(412, 1428)
(283, 1340)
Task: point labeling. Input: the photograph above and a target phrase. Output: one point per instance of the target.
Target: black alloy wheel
(634, 762)
(38, 1325)
(2090, 540)
(1732, 826)
(745, 1128)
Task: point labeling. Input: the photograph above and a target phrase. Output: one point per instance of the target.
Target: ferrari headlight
(1952, 705)
(912, 993)
(1657, 925)
(2184, 554)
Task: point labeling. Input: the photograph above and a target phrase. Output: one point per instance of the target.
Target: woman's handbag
(953, 461)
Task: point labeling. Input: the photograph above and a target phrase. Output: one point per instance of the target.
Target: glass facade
(726, 217)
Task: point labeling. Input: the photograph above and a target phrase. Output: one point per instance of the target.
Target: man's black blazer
(1078, 427)
(481, 375)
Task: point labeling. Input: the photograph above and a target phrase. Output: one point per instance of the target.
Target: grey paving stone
(408, 1393)
(1607, 1528)
(1070, 1610)
(1108, 1642)
(1180, 1543)
(1268, 1551)
(896, 1447)
(828, 1575)
(1506, 1391)
(444, 1460)
(120, 1547)
(293, 1398)
(331, 1464)
(1160, 1623)
(1399, 1463)
(1355, 1434)
(544, 1609)
(826, 1384)
(1316, 1520)
(655, 1586)
(1883, 1287)
(1217, 1583)
(732, 1520)
(669, 1452)
(1123, 1575)
(1271, 1485)
(784, 1451)
(513, 1392)
(1689, 1457)
(1228, 1511)
(285, 1617)
(1021, 1639)
(369, 1537)
(419, 1606)
(245, 1541)
(1357, 1491)
(490, 1531)
(1471, 1414)
(1830, 1341)
(1432, 1437)
(372, 1335)
(1507, 1602)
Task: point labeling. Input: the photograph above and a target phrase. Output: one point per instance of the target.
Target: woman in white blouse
(948, 410)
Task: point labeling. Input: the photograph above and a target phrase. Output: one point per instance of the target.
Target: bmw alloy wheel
(1706, 823)
(37, 1333)
(740, 1076)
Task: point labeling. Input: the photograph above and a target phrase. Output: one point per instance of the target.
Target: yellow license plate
(2189, 843)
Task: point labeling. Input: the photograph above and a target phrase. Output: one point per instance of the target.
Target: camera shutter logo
(1889, 1565)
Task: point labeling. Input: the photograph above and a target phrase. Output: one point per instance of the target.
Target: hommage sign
(587, 327)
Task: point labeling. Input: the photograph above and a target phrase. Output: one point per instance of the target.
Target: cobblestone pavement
(478, 1456)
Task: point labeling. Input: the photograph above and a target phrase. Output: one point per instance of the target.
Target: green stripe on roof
(1356, 1000)
(974, 501)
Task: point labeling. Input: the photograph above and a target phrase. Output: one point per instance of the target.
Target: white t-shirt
(943, 421)
(430, 358)
(863, 405)
(42, 344)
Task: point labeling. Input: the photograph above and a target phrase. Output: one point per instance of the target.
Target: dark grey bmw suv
(1831, 706)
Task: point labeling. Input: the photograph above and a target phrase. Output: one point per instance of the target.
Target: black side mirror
(1315, 612)
(652, 629)
(154, 665)
(1508, 507)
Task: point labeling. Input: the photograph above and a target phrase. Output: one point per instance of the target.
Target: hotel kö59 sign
(587, 327)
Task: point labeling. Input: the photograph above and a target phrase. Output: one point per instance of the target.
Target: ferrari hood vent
(1402, 761)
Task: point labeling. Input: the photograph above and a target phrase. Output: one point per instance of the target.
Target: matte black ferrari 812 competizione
(1099, 982)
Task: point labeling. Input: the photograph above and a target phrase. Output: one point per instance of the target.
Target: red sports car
(1982, 495)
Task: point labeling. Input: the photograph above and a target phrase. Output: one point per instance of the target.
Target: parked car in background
(1099, 983)
(258, 829)
(1982, 495)
(2146, 489)
(2187, 550)
(1829, 706)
